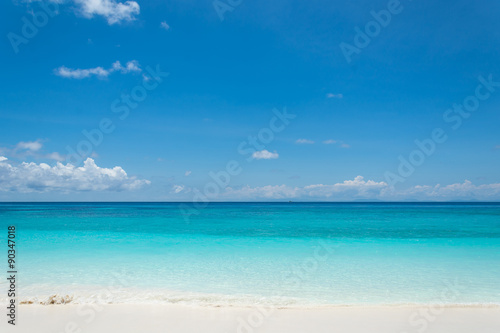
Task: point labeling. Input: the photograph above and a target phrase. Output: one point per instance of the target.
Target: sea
(283, 254)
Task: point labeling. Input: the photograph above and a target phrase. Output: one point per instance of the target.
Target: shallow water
(287, 254)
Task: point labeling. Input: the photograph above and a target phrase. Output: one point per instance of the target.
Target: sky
(238, 100)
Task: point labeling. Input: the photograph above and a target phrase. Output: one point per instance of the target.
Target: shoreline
(126, 318)
(272, 306)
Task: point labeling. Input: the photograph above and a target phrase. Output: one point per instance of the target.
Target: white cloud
(177, 188)
(56, 156)
(304, 141)
(342, 144)
(356, 189)
(187, 173)
(29, 145)
(33, 177)
(164, 25)
(264, 155)
(330, 95)
(345, 191)
(360, 189)
(111, 10)
(267, 192)
(31, 148)
(81, 73)
(458, 191)
(131, 66)
(3, 158)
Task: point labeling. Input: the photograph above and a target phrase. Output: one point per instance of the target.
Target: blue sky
(355, 117)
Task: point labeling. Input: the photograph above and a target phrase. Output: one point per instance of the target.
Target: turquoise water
(286, 254)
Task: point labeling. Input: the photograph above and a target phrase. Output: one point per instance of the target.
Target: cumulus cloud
(187, 173)
(111, 10)
(304, 141)
(164, 25)
(330, 95)
(33, 177)
(131, 66)
(29, 145)
(264, 155)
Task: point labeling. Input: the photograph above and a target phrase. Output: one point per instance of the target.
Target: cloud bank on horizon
(33, 177)
(63, 178)
(355, 190)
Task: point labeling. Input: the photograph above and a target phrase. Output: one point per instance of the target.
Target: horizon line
(289, 201)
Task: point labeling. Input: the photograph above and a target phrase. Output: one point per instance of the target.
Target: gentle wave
(93, 295)
(209, 300)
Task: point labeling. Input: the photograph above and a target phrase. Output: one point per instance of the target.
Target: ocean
(244, 254)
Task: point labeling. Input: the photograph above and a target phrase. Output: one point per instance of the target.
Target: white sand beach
(126, 318)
